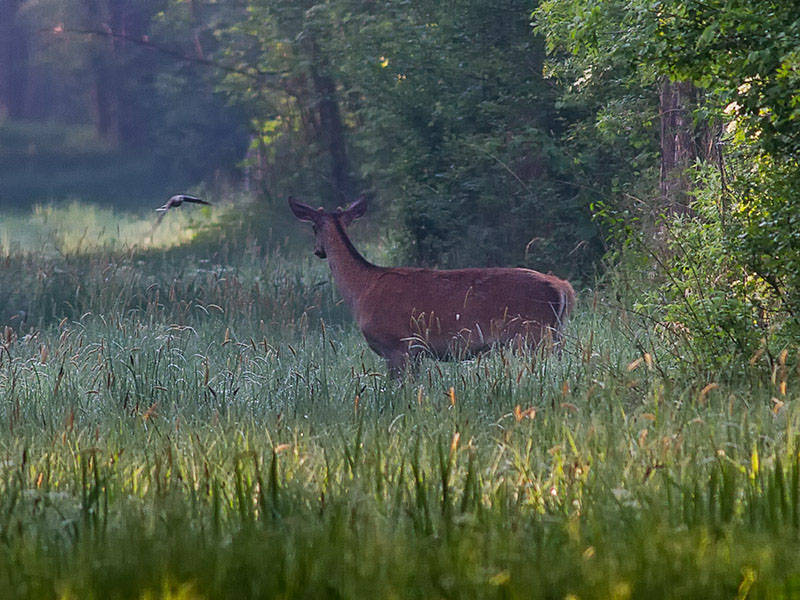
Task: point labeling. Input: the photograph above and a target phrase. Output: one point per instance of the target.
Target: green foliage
(723, 279)
(282, 53)
(459, 128)
(705, 295)
(466, 145)
(766, 236)
(746, 57)
(730, 275)
(745, 54)
(594, 52)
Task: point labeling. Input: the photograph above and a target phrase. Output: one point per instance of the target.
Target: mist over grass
(198, 417)
(74, 227)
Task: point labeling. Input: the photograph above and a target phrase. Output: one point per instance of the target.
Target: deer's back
(482, 305)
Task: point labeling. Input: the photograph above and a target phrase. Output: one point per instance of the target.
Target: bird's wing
(195, 200)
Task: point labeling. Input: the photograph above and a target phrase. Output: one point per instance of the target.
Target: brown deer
(404, 312)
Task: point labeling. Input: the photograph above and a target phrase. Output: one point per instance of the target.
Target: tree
(613, 43)
(300, 135)
(137, 73)
(459, 130)
(14, 60)
(746, 56)
(738, 64)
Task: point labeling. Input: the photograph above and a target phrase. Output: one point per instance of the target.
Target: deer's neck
(350, 270)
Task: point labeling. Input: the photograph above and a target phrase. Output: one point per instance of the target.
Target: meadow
(191, 413)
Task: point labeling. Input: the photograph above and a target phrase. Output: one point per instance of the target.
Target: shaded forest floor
(55, 161)
(197, 417)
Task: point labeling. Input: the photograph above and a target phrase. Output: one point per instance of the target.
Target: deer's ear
(302, 211)
(356, 210)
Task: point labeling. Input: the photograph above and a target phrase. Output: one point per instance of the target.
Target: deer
(406, 312)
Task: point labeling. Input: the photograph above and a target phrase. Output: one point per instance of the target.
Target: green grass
(204, 421)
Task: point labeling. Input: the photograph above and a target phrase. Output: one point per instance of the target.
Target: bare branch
(144, 42)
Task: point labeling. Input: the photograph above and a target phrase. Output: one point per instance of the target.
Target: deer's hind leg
(397, 358)
(397, 363)
(404, 365)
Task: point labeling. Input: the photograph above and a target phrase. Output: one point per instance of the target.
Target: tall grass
(78, 228)
(204, 421)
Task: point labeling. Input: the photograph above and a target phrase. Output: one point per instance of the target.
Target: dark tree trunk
(105, 87)
(678, 146)
(194, 11)
(331, 127)
(14, 64)
(105, 104)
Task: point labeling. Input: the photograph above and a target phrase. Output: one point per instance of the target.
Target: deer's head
(327, 223)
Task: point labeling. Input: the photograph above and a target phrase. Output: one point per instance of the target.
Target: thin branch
(144, 42)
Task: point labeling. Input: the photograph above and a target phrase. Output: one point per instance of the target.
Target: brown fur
(403, 311)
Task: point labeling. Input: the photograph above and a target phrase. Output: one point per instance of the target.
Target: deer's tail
(566, 302)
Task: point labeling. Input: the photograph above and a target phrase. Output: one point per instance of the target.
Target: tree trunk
(331, 127)
(14, 64)
(678, 148)
(105, 88)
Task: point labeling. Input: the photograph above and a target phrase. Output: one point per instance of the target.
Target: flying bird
(179, 199)
(174, 202)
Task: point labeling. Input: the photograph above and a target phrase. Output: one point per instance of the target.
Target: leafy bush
(711, 289)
